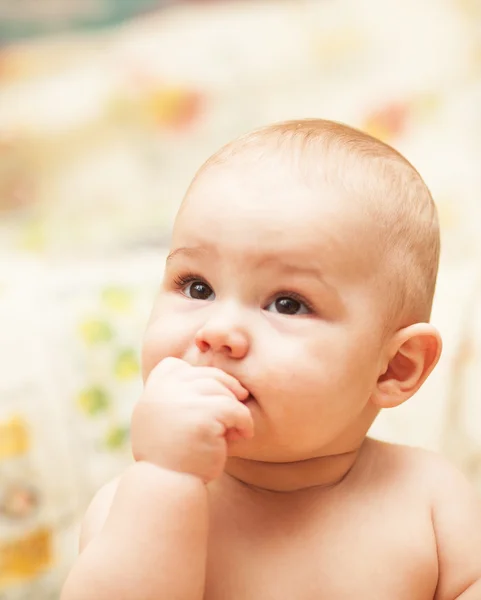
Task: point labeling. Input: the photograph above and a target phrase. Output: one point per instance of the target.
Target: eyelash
(180, 281)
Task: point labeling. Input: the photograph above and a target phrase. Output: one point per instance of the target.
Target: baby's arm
(457, 523)
(145, 533)
(147, 539)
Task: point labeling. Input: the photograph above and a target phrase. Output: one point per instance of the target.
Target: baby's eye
(198, 290)
(286, 305)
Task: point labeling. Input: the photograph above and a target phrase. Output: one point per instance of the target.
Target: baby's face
(274, 283)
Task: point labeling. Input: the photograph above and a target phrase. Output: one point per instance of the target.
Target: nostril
(221, 341)
(202, 345)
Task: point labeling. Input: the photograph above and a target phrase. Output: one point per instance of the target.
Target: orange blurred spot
(388, 122)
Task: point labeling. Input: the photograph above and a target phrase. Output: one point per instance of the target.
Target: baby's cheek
(295, 371)
(162, 338)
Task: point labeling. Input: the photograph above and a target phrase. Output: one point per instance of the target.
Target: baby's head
(304, 260)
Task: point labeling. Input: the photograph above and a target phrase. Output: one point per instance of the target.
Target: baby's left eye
(285, 305)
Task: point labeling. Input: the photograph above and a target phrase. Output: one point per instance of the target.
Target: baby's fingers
(236, 416)
(230, 382)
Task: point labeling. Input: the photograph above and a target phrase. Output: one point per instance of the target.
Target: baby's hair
(380, 182)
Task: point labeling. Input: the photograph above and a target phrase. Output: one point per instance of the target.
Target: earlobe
(411, 356)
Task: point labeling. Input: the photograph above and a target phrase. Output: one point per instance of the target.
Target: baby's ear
(412, 354)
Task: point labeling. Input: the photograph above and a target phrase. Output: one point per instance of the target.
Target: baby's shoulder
(411, 466)
(454, 510)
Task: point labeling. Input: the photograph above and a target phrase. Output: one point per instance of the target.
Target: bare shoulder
(97, 512)
(428, 470)
(455, 508)
(408, 470)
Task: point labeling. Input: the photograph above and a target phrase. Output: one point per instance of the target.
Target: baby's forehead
(269, 231)
(264, 195)
(270, 183)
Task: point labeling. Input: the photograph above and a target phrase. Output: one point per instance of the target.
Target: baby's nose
(232, 342)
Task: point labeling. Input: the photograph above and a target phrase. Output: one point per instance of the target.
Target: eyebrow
(188, 251)
(287, 267)
(312, 270)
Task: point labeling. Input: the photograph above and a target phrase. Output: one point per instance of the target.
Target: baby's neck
(320, 472)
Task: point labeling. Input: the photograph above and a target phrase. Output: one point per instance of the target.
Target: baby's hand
(185, 417)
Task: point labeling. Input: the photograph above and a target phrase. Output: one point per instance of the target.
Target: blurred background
(107, 108)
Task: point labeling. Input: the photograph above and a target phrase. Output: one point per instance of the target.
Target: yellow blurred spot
(25, 557)
(127, 365)
(95, 331)
(33, 238)
(117, 299)
(14, 438)
(172, 106)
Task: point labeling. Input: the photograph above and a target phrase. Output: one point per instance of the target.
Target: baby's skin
(266, 359)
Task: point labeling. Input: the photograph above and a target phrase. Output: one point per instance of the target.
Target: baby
(295, 306)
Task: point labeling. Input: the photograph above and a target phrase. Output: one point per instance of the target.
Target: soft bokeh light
(107, 108)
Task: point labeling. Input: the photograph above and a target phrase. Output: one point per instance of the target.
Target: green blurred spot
(117, 299)
(127, 364)
(117, 437)
(93, 401)
(95, 331)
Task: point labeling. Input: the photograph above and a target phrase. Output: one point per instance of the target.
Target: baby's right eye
(198, 290)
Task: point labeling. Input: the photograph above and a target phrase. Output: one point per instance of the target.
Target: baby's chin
(239, 447)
